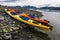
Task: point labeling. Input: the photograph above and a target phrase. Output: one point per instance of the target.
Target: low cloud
(8, 0)
(36, 3)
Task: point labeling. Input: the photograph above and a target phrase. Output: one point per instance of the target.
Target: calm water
(54, 18)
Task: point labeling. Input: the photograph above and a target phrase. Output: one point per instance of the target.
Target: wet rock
(1, 18)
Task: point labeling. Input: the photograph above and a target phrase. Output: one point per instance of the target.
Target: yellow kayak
(28, 21)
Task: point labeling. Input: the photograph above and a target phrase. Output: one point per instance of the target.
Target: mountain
(45, 7)
(29, 7)
(51, 8)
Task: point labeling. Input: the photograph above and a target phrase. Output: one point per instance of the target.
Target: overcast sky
(36, 3)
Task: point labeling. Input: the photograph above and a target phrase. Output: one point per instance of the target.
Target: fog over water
(54, 18)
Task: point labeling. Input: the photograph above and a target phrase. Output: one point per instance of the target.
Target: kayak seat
(13, 13)
(24, 18)
(31, 16)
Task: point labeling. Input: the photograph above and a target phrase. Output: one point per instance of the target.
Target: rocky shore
(7, 22)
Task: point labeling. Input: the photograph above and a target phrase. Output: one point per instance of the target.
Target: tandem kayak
(30, 16)
(27, 20)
